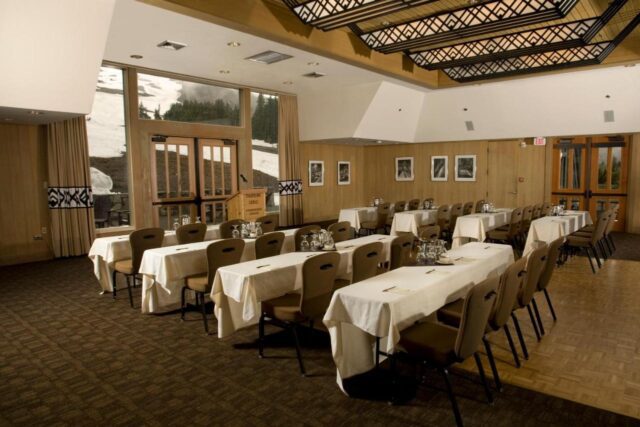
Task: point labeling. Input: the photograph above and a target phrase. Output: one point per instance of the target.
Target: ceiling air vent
(168, 44)
(314, 75)
(469, 125)
(608, 116)
(269, 57)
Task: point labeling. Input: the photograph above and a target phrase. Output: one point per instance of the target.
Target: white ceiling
(137, 28)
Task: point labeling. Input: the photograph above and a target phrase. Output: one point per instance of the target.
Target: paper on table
(397, 290)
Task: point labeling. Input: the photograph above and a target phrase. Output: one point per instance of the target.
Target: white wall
(51, 52)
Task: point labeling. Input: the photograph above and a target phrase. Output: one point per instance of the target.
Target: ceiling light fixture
(331, 14)
(314, 75)
(313, 63)
(35, 113)
(233, 44)
(171, 45)
(135, 56)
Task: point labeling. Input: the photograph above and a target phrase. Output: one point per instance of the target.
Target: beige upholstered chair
(140, 241)
(430, 232)
(191, 233)
(414, 204)
(269, 222)
(444, 221)
(291, 310)
(269, 244)
(456, 212)
(371, 227)
(340, 231)
(479, 204)
(303, 231)
(508, 234)
(441, 345)
(365, 263)
(226, 228)
(467, 208)
(219, 254)
(546, 209)
(588, 242)
(401, 248)
(545, 278)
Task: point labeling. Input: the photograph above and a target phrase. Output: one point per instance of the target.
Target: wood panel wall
(633, 198)
(324, 203)
(24, 210)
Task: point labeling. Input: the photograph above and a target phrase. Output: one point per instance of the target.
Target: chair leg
(392, 367)
(516, 358)
(608, 245)
(113, 280)
(533, 322)
(261, 337)
(203, 309)
(593, 269)
(553, 312)
(452, 397)
(294, 330)
(492, 363)
(537, 312)
(596, 256)
(184, 289)
(525, 353)
(605, 255)
(612, 242)
(377, 352)
(129, 290)
(483, 378)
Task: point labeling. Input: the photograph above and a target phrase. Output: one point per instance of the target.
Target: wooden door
(569, 173)
(218, 177)
(502, 188)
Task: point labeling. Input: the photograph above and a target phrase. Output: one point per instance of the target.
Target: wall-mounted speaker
(469, 125)
(608, 116)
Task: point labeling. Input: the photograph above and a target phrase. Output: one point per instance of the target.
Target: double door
(590, 173)
(192, 176)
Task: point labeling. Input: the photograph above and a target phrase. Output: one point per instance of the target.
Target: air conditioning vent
(608, 116)
(314, 75)
(269, 57)
(168, 44)
(469, 125)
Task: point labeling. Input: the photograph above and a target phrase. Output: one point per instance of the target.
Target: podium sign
(248, 204)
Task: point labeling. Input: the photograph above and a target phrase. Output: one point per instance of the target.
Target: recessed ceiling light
(168, 44)
(224, 71)
(233, 44)
(135, 56)
(36, 113)
(288, 82)
(607, 96)
(379, 142)
(386, 23)
(313, 63)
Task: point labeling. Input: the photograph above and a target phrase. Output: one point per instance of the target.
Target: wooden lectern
(247, 204)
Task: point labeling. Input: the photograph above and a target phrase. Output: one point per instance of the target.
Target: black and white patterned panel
(70, 197)
(290, 187)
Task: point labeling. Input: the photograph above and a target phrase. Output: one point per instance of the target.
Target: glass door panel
(569, 171)
(173, 169)
(218, 177)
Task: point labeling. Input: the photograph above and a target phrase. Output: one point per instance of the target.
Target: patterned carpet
(69, 356)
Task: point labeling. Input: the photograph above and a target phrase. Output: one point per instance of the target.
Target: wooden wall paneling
(502, 173)
(24, 209)
(324, 202)
(633, 189)
(532, 168)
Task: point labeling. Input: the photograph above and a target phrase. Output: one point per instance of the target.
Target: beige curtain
(70, 197)
(290, 187)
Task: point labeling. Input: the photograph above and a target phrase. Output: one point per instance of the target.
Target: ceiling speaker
(469, 125)
(608, 116)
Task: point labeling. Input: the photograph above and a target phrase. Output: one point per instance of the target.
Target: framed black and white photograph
(404, 168)
(466, 168)
(344, 173)
(439, 168)
(316, 173)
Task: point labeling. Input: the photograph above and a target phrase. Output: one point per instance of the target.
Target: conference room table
(411, 221)
(384, 305)
(239, 289)
(356, 216)
(164, 269)
(105, 251)
(475, 226)
(549, 228)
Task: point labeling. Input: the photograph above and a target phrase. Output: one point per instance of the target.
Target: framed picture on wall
(316, 173)
(404, 168)
(344, 173)
(466, 167)
(439, 168)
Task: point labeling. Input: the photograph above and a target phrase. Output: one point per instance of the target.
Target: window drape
(69, 192)
(290, 185)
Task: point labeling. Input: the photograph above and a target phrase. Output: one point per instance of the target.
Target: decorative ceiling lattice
(332, 14)
(483, 18)
(552, 60)
(483, 39)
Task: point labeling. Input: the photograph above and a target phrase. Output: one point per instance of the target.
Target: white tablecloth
(105, 251)
(164, 270)
(386, 304)
(411, 221)
(475, 226)
(357, 216)
(239, 289)
(550, 228)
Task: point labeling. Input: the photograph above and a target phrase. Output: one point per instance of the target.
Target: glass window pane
(564, 169)
(208, 170)
(164, 98)
(264, 127)
(108, 153)
(603, 153)
(577, 166)
(160, 171)
(184, 171)
(616, 167)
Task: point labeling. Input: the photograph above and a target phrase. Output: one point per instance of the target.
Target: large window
(264, 127)
(108, 157)
(163, 98)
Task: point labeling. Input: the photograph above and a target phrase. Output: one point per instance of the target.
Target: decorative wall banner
(70, 197)
(290, 187)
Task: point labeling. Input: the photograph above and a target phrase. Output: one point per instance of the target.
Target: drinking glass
(304, 243)
(176, 225)
(258, 229)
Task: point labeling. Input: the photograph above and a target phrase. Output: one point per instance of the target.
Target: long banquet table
(356, 216)
(411, 221)
(384, 305)
(238, 289)
(475, 226)
(550, 228)
(164, 269)
(105, 251)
